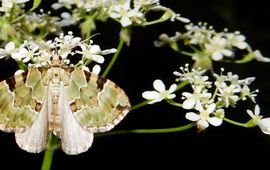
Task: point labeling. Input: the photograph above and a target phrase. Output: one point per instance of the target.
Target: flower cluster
(126, 12)
(17, 24)
(39, 54)
(207, 44)
(207, 101)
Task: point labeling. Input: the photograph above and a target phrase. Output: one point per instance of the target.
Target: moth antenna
(29, 36)
(85, 40)
(33, 39)
(96, 34)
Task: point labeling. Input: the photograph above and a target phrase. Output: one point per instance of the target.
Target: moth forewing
(100, 104)
(18, 107)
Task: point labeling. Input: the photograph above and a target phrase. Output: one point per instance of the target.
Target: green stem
(174, 103)
(48, 155)
(115, 56)
(181, 85)
(186, 53)
(164, 130)
(236, 123)
(139, 105)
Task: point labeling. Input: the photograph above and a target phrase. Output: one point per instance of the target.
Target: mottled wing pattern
(97, 103)
(21, 98)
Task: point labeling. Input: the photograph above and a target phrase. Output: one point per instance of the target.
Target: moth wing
(34, 139)
(97, 103)
(21, 100)
(74, 138)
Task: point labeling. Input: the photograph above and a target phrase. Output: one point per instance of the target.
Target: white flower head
(217, 48)
(263, 123)
(236, 40)
(160, 94)
(194, 77)
(205, 116)
(9, 50)
(8, 4)
(196, 99)
(124, 12)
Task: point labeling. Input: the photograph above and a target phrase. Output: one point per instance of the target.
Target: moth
(70, 103)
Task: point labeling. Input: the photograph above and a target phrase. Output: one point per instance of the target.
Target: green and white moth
(63, 100)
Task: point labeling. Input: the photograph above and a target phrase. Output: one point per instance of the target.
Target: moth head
(56, 60)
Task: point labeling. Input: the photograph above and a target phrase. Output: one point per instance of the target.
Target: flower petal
(189, 103)
(95, 49)
(257, 110)
(3, 53)
(10, 46)
(125, 21)
(264, 125)
(250, 113)
(192, 116)
(214, 121)
(150, 95)
(159, 85)
(172, 88)
(203, 123)
(96, 69)
(211, 108)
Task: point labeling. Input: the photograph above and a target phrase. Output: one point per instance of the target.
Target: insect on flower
(63, 100)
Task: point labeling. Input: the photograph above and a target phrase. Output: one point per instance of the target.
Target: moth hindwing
(66, 101)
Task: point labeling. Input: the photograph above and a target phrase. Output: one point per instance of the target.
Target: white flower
(245, 92)
(237, 40)
(264, 124)
(217, 48)
(197, 98)
(194, 77)
(204, 118)
(124, 13)
(9, 50)
(259, 57)
(27, 53)
(165, 39)
(160, 93)
(91, 52)
(67, 19)
(227, 94)
(8, 4)
(65, 44)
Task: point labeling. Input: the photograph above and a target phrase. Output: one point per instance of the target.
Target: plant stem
(164, 130)
(236, 123)
(181, 85)
(137, 106)
(48, 155)
(115, 56)
(170, 101)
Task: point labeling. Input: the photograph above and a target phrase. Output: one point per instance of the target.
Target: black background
(224, 147)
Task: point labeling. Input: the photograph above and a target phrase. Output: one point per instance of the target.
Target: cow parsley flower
(161, 93)
(9, 50)
(263, 123)
(216, 48)
(197, 98)
(124, 13)
(205, 116)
